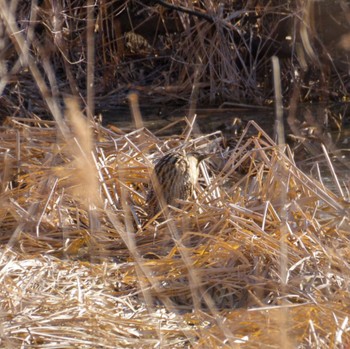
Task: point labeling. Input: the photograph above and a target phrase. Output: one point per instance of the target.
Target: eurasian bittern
(173, 178)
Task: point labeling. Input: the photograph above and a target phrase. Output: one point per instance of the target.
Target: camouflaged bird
(174, 178)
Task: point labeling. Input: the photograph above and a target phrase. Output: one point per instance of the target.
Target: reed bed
(258, 258)
(164, 48)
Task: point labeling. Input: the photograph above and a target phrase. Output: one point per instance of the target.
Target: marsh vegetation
(257, 257)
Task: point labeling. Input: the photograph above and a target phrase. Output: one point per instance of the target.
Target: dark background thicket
(164, 48)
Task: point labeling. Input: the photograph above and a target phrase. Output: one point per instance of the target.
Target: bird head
(194, 159)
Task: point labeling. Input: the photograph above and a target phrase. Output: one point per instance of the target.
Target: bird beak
(203, 157)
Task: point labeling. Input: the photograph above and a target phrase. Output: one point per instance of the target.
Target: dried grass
(81, 266)
(258, 259)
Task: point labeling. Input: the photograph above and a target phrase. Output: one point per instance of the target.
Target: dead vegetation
(257, 259)
(164, 48)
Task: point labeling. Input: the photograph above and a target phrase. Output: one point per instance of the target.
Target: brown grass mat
(259, 258)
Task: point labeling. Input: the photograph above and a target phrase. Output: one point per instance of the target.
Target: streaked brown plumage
(174, 177)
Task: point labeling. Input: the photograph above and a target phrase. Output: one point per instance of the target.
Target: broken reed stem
(193, 103)
(133, 99)
(278, 100)
(284, 338)
(90, 40)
